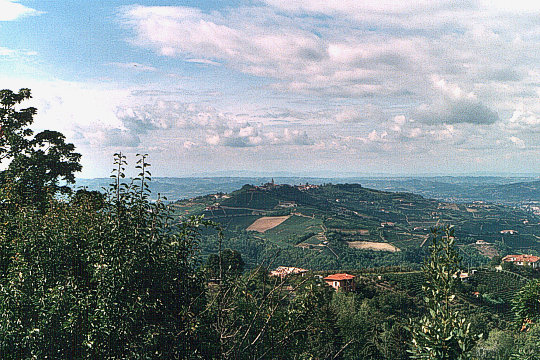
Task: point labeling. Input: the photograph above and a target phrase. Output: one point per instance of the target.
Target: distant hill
(503, 190)
(349, 226)
(516, 192)
(467, 190)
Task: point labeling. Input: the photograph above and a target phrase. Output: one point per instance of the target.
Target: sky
(306, 87)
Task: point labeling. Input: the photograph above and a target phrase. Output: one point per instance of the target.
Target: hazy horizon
(247, 174)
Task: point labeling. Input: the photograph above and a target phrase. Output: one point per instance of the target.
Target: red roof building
(523, 260)
(341, 281)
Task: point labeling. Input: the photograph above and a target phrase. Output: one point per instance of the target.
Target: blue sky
(308, 86)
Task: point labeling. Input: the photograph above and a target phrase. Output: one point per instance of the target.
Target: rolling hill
(348, 225)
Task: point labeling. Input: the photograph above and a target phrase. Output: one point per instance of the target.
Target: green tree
(37, 163)
(102, 280)
(528, 344)
(259, 317)
(526, 303)
(498, 346)
(495, 261)
(442, 334)
(227, 264)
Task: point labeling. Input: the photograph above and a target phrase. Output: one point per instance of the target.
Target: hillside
(350, 226)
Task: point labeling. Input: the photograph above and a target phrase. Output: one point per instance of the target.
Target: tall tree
(442, 334)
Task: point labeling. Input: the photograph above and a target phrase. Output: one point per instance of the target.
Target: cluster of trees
(90, 275)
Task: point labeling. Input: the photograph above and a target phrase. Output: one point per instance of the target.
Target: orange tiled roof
(521, 258)
(342, 276)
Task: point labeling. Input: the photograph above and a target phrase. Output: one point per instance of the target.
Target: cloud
(501, 75)
(16, 55)
(196, 36)
(453, 105)
(11, 10)
(175, 120)
(360, 114)
(375, 136)
(118, 138)
(133, 66)
(269, 45)
(458, 111)
(522, 121)
(355, 8)
(203, 61)
(247, 135)
(6, 52)
(290, 137)
(235, 135)
(361, 49)
(189, 144)
(517, 141)
(333, 79)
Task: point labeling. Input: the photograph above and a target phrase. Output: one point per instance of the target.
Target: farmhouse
(523, 260)
(283, 271)
(287, 204)
(341, 281)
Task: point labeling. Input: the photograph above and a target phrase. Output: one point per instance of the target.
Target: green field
(294, 230)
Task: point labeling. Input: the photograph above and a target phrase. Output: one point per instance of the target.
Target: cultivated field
(368, 245)
(266, 223)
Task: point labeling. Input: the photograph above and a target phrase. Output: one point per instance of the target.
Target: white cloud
(453, 91)
(213, 139)
(355, 8)
(516, 6)
(203, 61)
(133, 66)
(517, 141)
(523, 120)
(11, 10)
(376, 136)
(6, 52)
(16, 55)
(359, 48)
(397, 123)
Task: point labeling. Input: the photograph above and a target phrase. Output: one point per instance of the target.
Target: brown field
(368, 245)
(266, 223)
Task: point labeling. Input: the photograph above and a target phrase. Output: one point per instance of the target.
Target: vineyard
(489, 290)
(410, 281)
